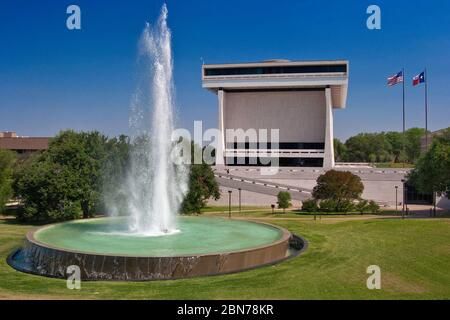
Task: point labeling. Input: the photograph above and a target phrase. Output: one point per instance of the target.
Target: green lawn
(414, 256)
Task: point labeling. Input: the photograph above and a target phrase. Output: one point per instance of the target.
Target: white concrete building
(297, 98)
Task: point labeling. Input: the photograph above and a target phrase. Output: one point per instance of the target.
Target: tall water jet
(155, 185)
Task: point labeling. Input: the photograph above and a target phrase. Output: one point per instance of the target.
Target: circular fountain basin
(103, 249)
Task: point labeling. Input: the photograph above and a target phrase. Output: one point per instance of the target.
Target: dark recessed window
(276, 70)
(281, 145)
(282, 162)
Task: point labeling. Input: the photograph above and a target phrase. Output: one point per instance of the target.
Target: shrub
(328, 205)
(344, 206)
(331, 205)
(310, 205)
(362, 206)
(284, 200)
(373, 207)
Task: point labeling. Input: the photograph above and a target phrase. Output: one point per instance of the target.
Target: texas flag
(419, 79)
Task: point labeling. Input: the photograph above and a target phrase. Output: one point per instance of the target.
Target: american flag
(398, 78)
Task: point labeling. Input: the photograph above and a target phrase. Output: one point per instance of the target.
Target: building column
(328, 161)
(220, 156)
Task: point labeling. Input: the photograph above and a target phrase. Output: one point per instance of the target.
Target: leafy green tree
(202, 186)
(340, 150)
(68, 178)
(381, 147)
(284, 200)
(397, 142)
(82, 154)
(45, 189)
(432, 171)
(413, 141)
(7, 159)
(357, 148)
(338, 185)
(384, 146)
(368, 147)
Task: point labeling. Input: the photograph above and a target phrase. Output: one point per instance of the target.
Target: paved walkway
(261, 187)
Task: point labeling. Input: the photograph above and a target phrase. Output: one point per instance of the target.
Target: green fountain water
(198, 235)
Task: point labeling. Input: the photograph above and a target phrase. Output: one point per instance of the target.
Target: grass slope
(414, 256)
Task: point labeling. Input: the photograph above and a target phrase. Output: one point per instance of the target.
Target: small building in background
(9, 140)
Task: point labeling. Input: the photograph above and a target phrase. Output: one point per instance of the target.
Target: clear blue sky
(52, 78)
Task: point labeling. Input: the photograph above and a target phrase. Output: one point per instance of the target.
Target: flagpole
(426, 109)
(404, 77)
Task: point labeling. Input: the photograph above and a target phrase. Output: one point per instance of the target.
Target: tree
(7, 159)
(383, 146)
(397, 142)
(45, 189)
(67, 179)
(368, 147)
(284, 200)
(338, 185)
(340, 150)
(432, 171)
(357, 148)
(83, 154)
(202, 186)
(413, 138)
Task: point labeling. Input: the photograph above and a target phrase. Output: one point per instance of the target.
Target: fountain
(151, 243)
(155, 186)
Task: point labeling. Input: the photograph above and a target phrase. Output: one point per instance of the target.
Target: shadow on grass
(9, 220)
(9, 216)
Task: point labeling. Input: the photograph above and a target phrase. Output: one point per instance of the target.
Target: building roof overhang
(336, 81)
